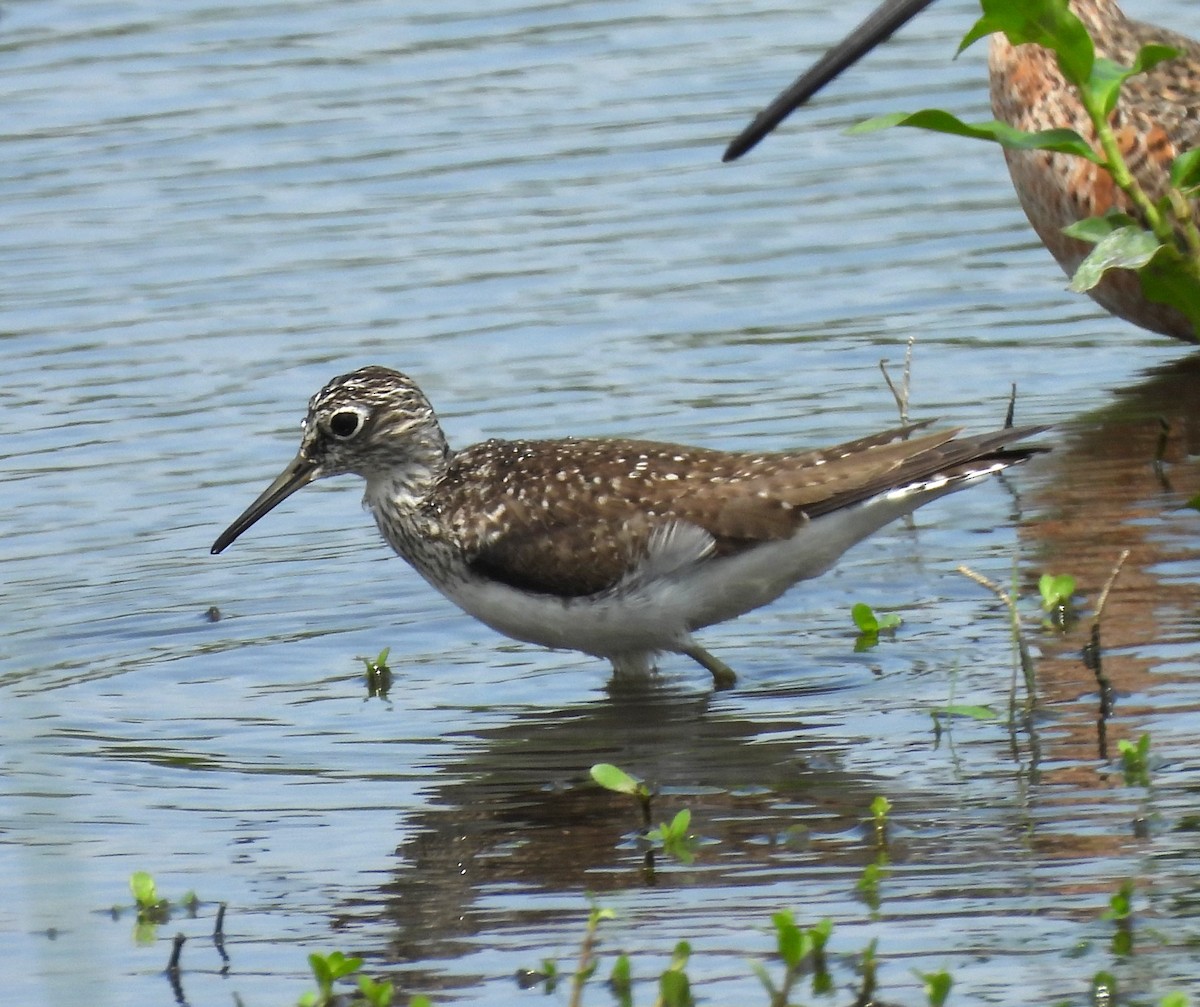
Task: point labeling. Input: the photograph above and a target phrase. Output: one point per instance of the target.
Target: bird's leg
(723, 675)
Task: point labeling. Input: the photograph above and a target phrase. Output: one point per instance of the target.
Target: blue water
(212, 209)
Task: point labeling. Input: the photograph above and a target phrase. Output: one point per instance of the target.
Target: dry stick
(1092, 659)
(901, 396)
(1018, 639)
(586, 963)
(1012, 407)
(1026, 668)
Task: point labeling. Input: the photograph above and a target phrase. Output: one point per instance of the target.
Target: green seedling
(585, 967)
(1057, 591)
(674, 989)
(870, 624)
(377, 674)
(880, 807)
(937, 986)
(328, 969)
(1135, 761)
(620, 782)
(1120, 911)
(796, 946)
(375, 993)
(1104, 987)
(620, 981)
(150, 908)
(674, 839)
(867, 885)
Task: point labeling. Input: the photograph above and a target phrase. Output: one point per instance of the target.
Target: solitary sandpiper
(617, 548)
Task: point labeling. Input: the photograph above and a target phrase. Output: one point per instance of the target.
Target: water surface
(212, 209)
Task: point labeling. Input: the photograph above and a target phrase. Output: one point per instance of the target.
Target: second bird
(1157, 118)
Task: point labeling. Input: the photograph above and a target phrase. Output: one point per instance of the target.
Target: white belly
(658, 613)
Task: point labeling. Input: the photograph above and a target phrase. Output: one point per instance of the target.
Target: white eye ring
(345, 423)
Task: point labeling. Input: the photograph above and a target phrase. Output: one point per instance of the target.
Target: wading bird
(617, 548)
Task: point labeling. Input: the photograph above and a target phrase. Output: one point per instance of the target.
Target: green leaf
(1170, 279)
(864, 617)
(612, 778)
(1120, 906)
(145, 893)
(1056, 590)
(1094, 229)
(621, 977)
(1061, 141)
(789, 939)
(1174, 1000)
(1129, 247)
(1106, 77)
(1185, 170)
(674, 990)
(974, 712)
(937, 986)
(1046, 22)
(1194, 503)
(377, 994)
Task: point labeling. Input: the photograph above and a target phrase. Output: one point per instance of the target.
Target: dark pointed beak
(889, 16)
(299, 473)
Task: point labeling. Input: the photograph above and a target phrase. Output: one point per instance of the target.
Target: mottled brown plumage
(1157, 118)
(619, 548)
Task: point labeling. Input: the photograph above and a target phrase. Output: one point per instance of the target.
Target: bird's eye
(345, 424)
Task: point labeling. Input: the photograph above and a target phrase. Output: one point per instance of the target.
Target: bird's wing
(574, 518)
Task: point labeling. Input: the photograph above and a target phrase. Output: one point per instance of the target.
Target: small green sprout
(880, 807)
(620, 981)
(1135, 761)
(674, 989)
(612, 778)
(375, 993)
(1120, 906)
(328, 969)
(870, 624)
(1120, 911)
(674, 837)
(151, 909)
(1056, 590)
(796, 945)
(377, 674)
(867, 885)
(937, 986)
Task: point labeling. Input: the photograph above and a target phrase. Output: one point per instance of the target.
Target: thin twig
(901, 394)
(1108, 587)
(1092, 659)
(1026, 661)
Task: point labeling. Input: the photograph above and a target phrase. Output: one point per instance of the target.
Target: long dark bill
(299, 473)
(878, 27)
